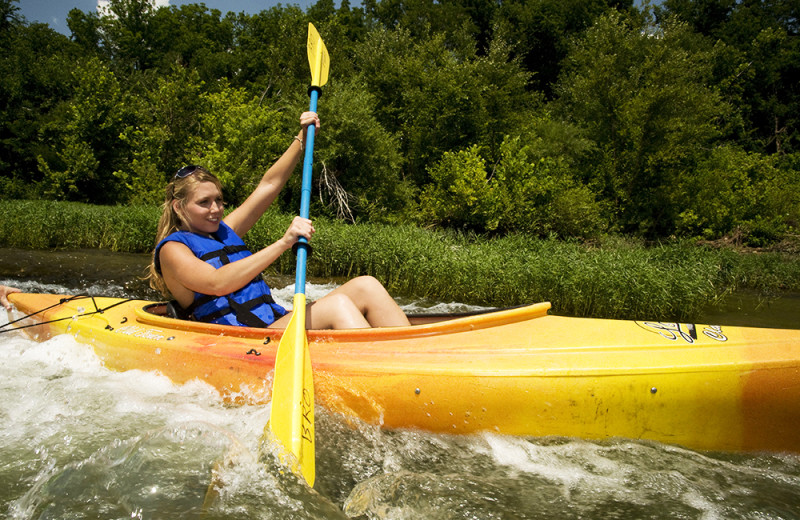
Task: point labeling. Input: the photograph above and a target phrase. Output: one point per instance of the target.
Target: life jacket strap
(244, 311)
(223, 253)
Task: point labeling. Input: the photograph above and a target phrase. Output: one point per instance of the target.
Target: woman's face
(204, 208)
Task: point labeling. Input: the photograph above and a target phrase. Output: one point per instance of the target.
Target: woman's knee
(365, 285)
(336, 311)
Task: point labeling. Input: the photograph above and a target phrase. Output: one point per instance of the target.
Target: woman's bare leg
(361, 302)
(335, 311)
(373, 302)
(332, 311)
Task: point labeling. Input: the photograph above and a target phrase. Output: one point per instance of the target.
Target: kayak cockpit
(171, 309)
(421, 324)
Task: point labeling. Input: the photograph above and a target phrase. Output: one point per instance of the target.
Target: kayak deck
(519, 371)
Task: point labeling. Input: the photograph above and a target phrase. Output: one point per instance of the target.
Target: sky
(54, 12)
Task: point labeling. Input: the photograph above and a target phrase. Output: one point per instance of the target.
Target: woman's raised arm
(245, 216)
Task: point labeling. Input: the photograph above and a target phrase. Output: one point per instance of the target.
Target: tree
(359, 172)
(766, 36)
(735, 192)
(540, 32)
(238, 138)
(127, 33)
(774, 90)
(436, 98)
(9, 16)
(85, 29)
(270, 52)
(644, 95)
(84, 138)
(525, 191)
(192, 36)
(164, 118)
(460, 195)
(707, 17)
(35, 77)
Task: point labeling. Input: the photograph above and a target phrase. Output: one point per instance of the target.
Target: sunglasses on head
(186, 171)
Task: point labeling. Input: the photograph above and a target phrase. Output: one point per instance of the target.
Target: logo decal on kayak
(684, 331)
(140, 332)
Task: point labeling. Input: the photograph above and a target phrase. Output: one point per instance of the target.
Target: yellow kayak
(518, 371)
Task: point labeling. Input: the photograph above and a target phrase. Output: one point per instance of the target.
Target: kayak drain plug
(653, 390)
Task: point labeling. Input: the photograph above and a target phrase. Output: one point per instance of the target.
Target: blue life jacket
(250, 306)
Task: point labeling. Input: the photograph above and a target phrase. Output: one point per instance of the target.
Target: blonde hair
(172, 219)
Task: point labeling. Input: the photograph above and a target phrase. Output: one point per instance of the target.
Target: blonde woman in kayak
(201, 261)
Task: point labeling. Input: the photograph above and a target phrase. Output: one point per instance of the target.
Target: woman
(201, 261)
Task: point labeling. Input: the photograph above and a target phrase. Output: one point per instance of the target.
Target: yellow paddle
(292, 418)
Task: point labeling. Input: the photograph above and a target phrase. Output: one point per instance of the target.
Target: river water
(80, 441)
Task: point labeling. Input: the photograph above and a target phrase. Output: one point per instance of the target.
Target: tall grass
(616, 278)
(68, 225)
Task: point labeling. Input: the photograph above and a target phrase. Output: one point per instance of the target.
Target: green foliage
(545, 198)
(766, 71)
(526, 191)
(194, 37)
(735, 190)
(438, 99)
(541, 32)
(238, 140)
(270, 52)
(358, 173)
(160, 116)
(642, 93)
(63, 225)
(461, 195)
(35, 76)
(617, 279)
(551, 118)
(91, 119)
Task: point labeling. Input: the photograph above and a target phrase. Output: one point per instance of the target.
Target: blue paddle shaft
(305, 197)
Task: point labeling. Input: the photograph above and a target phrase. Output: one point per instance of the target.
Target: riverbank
(611, 278)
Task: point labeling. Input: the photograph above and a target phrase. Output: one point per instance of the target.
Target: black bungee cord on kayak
(98, 310)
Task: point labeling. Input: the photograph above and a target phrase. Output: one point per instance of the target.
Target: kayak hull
(519, 371)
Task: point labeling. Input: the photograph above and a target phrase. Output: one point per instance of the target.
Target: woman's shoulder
(175, 236)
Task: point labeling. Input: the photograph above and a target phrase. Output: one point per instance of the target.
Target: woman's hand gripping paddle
(292, 418)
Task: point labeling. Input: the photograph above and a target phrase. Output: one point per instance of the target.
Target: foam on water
(80, 440)
(479, 476)
(92, 289)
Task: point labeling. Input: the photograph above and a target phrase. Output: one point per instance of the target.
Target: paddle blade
(292, 418)
(317, 57)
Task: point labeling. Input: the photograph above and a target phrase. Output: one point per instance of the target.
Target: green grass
(616, 278)
(66, 225)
